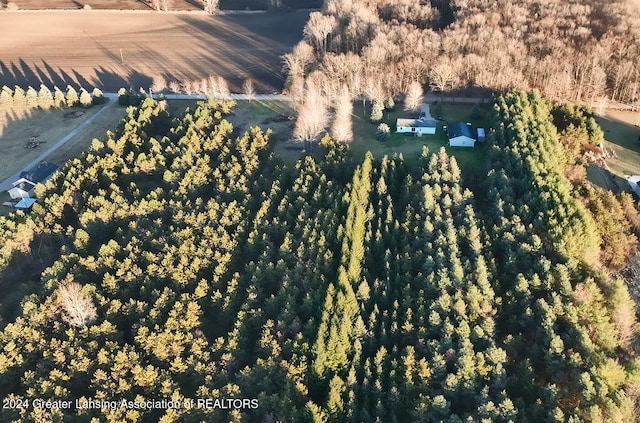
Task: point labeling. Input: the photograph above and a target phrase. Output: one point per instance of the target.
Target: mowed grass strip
(17, 127)
(622, 135)
(470, 160)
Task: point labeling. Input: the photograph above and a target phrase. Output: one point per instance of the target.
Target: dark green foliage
(389, 104)
(129, 98)
(558, 323)
(577, 119)
(475, 111)
(436, 108)
(97, 96)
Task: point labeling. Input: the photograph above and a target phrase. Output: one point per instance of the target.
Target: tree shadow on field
(247, 45)
(189, 47)
(107, 80)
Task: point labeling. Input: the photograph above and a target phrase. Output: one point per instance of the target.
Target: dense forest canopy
(576, 50)
(179, 260)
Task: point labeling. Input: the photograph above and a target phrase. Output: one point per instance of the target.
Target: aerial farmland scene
(320, 211)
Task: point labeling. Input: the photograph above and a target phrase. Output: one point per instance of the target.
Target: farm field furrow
(129, 49)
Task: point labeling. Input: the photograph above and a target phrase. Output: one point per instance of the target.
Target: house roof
(417, 123)
(24, 185)
(633, 178)
(459, 129)
(40, 172)
(25, 203)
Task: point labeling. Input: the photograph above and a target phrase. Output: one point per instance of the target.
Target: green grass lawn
(470, 160)
(4, 196)
(621, 133)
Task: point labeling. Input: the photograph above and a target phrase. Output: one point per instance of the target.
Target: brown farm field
(113, 49)
(173, 5)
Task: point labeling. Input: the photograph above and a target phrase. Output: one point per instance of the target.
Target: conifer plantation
(178, 259)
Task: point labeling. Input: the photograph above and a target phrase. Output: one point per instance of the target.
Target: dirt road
(111, 49)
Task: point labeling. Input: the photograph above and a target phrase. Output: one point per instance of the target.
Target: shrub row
(45, 99)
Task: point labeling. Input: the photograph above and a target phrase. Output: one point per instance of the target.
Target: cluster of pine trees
(44, 99)
(331, 291)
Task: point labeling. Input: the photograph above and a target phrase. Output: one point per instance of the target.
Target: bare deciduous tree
(174, 87)
(216, 87)
(442, 76)
(312, 115)
(296, 62)
(211, 6)
(341, 128)
(318, 29)
(248, 89)
(78, 308)
(159, 84)
(413, 96)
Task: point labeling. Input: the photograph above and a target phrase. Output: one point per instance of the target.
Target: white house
(634, 183)
(460, 134)
(24, 187)
(418, 126)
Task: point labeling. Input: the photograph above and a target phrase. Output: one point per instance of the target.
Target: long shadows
(137, 48)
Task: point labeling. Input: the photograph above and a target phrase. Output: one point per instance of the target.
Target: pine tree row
(44, 99)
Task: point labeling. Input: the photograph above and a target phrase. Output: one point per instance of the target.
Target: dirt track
(83, 47)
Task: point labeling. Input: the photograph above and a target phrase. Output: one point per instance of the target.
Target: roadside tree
(71, 97)
(413, 96)
(45, 98)
(211, 6)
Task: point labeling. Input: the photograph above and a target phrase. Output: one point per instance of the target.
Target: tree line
(44, 99)
(568, 50)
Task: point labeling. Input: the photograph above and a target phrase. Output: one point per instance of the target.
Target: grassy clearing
(622, 136)
(4, 196)
(470, 160)
(264, 114)
(18, 126)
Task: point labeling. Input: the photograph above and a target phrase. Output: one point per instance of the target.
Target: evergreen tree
(85, 98)
(45, 98)
(6, 97)
(59, 100)
(31, 98)
(19, 98)
(71, 97)
(390, 105)
(377, 111)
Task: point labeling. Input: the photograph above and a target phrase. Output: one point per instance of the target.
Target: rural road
(7, 184)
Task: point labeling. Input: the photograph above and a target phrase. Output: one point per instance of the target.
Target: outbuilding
(460, 134)
(481, 135)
